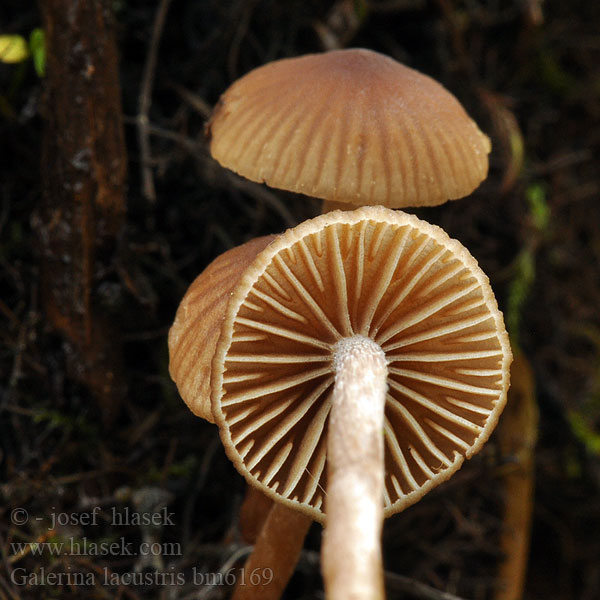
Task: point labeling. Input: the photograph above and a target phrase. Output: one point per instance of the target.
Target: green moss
(524, 264)
(585, 432)
(552, 73)
(520, 287)
(538, 206)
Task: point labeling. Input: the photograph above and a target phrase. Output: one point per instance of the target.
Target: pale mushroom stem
(351, 550)
(331, 205)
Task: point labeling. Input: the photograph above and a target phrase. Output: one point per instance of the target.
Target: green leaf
(37, 46)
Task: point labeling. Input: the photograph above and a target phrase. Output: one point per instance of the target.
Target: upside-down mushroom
(361, 357)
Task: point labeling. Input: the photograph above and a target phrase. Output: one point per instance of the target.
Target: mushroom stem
(276, 552)
(331, 205)
(253, 514)
(351, 550)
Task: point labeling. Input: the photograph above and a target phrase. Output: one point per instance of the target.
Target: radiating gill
(444, 382)
(305, 296)
(449, 435)
(438, 332)
(240, 377)
(392, 442)
(359, 267)
(306, 446)
(278, 385)
(277, 306)
(413, 424)
(405, 287)
(373, 299)
(339, 279)
(476, 408)
(286, 424)
(315, 477)
(275, 285)
(433, 407)
(289, 334)
(442, 277)
(278, 461)
(479, 372)
(478, 336)
(424, 312)
(260, 418)
(277, 358)
(239, 338)
(310, 263)
(448, 356)
(421, 463)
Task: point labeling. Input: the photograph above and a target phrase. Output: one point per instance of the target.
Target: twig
(7, 312)
(396, 583)
(4, 584)
(238, 552)
(457, 39)
(257, 191)
(415, 589)
(145, 101)
(200, 477)
(262, 194)
(562, 161)
(188, 143)
(388, 6)
(243, 24)
(195, 101)
(20, 348)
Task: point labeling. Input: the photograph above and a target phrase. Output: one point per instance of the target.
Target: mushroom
(192, 342)
(361, 357)
(349, 126)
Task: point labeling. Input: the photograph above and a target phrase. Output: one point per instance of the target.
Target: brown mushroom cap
(349, 126)
(379, 273)
(195, 331)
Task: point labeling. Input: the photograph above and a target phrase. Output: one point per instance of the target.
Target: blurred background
(110, 205)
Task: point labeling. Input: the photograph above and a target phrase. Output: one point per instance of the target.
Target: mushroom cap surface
(350, 126)
(379, 273)
(195, 331)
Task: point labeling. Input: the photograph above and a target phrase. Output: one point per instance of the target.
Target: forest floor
(529, 74)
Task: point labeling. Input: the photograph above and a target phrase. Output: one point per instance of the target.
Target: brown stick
(145, 101)
(517, 436)
(276, 552)
(83, 172)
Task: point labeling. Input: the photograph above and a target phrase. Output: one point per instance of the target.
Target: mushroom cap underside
(385, 275)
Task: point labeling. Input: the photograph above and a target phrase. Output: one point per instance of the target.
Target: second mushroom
(354, 362)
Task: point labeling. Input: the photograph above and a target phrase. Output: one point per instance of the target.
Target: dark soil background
(528, 71)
